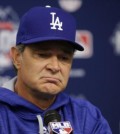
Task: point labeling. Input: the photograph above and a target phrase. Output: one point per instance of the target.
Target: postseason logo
(9, 21)
(115, 40)
(60, 127)
(85, 38)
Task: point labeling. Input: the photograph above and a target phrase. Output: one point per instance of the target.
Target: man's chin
(45, 94)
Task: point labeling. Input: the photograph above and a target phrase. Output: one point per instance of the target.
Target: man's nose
(53, 64)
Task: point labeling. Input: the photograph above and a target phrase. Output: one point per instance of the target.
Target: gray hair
(20, 48)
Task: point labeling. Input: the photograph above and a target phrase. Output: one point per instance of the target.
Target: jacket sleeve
(1, 122)
(94, 122)
(102, 127)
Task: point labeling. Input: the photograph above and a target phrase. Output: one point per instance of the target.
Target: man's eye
(43, 55)
(64, 58)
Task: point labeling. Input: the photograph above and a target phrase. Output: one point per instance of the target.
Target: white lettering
(56, 24)
(60, 125)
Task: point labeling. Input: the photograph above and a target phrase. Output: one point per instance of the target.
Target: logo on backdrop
(70, 5)
(8, 28)
(115, 39)
(56, 24)
(84, 38)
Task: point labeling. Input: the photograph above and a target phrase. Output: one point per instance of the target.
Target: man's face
(45, 67)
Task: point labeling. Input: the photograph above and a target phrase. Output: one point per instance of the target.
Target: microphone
(52, 119)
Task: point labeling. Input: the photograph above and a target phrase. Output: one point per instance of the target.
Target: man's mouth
(51, 79)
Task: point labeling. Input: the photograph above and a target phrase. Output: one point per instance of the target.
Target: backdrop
(95, 72)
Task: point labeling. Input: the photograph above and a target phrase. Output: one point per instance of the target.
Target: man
(42, 57)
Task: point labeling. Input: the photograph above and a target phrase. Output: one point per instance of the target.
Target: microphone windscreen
(51, 116)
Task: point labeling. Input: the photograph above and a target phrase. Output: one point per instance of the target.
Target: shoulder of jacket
(87, 106)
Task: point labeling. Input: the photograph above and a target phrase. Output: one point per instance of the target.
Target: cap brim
(35, 40)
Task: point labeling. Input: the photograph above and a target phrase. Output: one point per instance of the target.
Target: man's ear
(16, 57)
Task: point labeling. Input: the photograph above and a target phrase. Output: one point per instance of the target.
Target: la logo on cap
(56, 24)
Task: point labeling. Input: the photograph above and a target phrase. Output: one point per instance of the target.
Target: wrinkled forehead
(52, 45)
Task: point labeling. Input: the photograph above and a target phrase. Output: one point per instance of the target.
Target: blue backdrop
(95, 73)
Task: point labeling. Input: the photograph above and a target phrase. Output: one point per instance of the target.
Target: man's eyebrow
(68, 51)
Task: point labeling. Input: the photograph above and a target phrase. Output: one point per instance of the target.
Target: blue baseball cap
(47, 24)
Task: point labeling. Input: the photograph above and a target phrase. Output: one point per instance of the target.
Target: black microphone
(52, 119)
